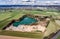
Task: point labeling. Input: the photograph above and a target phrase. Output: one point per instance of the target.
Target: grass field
(52, 28)
(22, 34)
(6, 17)
(58, 37)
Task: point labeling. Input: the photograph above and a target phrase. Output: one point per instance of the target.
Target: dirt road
(11, 37)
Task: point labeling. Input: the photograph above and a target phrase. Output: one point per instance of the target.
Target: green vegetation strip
(22, 34)
(58, 37)
(4, 16)
(7, 20)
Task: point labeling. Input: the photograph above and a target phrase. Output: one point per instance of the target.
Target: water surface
(26, 21)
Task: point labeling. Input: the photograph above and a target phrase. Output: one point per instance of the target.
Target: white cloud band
(20, 2)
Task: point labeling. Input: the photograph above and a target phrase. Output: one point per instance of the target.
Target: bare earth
(11, 37)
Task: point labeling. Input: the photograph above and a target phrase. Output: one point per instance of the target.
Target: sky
(20, 2)
(49, 0)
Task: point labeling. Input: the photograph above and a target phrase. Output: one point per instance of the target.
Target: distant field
(6, 17)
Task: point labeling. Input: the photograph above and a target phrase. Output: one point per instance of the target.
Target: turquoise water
(26, 21)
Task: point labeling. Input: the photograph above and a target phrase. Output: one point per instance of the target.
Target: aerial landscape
(30, 19)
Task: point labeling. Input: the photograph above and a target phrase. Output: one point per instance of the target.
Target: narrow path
(58, 34)
(11, 37)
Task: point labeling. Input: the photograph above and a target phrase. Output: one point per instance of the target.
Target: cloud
(19, 2)
(2, 2)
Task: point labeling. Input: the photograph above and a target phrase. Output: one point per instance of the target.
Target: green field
(58, 37)
(6, 17)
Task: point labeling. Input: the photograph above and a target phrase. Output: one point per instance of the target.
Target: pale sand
(11, 37)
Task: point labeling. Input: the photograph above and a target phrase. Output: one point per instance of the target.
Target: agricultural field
(7, 16)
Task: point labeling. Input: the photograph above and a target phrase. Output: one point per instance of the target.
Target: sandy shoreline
(11, 37)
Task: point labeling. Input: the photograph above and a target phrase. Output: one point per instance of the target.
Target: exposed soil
(11, 37)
